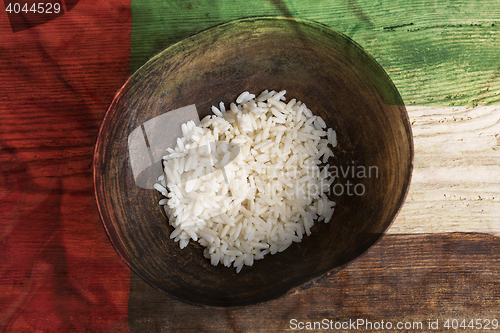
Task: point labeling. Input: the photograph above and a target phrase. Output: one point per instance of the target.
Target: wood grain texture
(439, 54)
(456, 179)
(403, 278)
(436, 52)
(58, 271)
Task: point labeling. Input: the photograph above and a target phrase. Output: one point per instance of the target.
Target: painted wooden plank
(437, 53)
(456, 178)
(403, 278)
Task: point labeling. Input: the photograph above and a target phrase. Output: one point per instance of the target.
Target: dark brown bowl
(326, 70)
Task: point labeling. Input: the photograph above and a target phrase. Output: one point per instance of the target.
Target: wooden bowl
(326, 70)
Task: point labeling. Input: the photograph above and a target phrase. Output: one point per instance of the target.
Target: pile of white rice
(264, 199)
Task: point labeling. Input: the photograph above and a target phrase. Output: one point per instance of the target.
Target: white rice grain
(216, 111)
(268, 196)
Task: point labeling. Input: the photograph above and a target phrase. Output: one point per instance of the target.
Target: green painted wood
(437, 53)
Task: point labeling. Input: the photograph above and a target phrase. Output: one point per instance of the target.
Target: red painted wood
(58, 270)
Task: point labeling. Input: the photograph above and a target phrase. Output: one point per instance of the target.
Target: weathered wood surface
(437, 52)
(443, 58)
(58, 271)
(456, 178)
(402, 279)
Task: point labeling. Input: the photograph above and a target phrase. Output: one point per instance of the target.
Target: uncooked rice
(264, 199)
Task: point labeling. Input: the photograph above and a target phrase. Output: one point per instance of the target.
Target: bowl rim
(325, 29)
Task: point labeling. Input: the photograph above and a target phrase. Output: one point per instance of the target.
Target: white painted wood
(456, 180)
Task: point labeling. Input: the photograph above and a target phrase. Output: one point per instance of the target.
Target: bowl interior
(322, 68)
